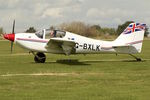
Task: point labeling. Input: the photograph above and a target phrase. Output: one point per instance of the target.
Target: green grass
(90, 77)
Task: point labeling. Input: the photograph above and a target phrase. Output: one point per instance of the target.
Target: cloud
(53, 12)
(61, 9)
(109, 17)
(8, 4)
(43, 13)
(93, 13)
(105, 13)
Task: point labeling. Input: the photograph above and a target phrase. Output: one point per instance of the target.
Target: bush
(1, 30)
(31, 30)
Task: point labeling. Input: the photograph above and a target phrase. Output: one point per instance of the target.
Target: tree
(122, 27)
(84, 29)
(97, 27)
(52, 28)
(77, 27)
(110, 31)
(31, 30)
(1, 30)
(146, 31)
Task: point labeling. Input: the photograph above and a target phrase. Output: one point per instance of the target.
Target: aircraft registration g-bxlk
(63, 42)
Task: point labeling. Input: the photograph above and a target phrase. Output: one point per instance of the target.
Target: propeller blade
(13, 30)
(11, 47)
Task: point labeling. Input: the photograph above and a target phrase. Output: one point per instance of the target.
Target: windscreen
(54, 34)
(40, 34)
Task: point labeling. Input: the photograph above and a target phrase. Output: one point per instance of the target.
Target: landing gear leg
(39, 57)
(137, 59)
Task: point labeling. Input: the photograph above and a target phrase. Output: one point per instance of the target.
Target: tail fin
(132, 36)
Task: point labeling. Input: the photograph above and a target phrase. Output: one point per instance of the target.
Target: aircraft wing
(68, 46)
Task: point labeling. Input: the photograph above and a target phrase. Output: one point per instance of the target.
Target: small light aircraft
(63, 42)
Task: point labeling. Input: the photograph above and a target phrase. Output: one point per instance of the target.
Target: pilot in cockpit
(53, 33)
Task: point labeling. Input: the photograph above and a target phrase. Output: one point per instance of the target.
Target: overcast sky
(44, 13)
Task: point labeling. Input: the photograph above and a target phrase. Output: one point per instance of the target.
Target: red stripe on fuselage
(33, 40)
(135, 42)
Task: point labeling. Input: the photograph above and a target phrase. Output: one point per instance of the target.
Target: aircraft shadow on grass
(87, 62)
(100, 61)
(69, 62)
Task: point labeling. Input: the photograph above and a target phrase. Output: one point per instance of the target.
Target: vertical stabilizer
(133, 36)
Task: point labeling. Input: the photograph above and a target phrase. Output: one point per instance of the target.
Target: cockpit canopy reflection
(47, 34)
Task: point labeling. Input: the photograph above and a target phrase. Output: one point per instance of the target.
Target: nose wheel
(39, 57)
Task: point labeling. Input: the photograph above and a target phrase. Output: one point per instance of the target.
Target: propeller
(13, 32)
(11, 36)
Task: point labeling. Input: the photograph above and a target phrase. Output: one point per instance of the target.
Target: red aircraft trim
(135, 42)
(33, 40)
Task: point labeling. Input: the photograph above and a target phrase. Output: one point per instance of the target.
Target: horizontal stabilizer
(120, 46)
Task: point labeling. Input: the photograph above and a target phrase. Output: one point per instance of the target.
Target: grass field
(90, 77)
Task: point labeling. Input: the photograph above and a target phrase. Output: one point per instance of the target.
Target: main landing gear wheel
(40, 58)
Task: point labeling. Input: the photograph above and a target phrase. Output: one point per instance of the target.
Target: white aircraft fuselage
(85, 45)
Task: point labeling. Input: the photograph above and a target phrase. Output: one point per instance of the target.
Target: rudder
(133, 36)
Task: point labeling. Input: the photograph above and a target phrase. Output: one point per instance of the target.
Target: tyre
(40, 58)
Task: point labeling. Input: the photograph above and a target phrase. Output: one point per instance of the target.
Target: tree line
(86, 30)
(95, 30)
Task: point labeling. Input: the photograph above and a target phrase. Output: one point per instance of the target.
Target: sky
(45, 13)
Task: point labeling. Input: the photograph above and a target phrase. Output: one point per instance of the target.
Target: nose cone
(10, 37)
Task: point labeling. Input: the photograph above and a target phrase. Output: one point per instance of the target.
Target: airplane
(64, 42)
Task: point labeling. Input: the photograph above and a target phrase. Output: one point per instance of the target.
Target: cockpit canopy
(47, 34)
